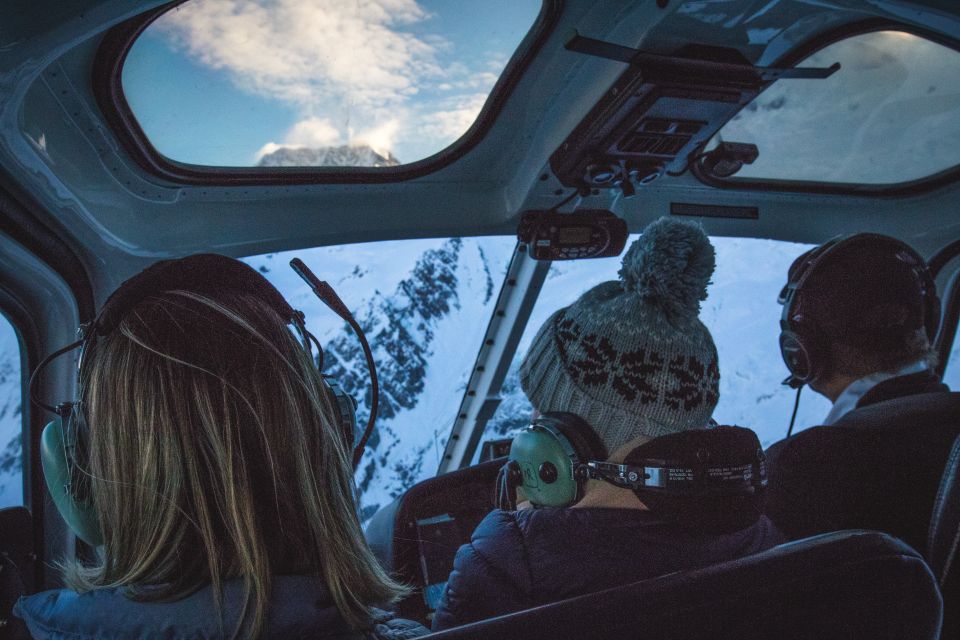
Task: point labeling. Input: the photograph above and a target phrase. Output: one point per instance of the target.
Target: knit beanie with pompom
(631, 357)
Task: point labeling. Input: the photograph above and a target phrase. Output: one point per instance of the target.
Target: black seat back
(17, 566)
(851, 585)
(944, 539)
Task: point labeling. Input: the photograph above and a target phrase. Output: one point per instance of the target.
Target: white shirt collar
(848, 399)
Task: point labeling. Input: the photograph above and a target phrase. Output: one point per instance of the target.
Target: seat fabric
(944, 539)
(851, 584)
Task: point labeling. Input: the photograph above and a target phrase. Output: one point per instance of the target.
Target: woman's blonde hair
(214, 455)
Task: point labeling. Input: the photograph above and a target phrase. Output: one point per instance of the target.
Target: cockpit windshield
(425, 305)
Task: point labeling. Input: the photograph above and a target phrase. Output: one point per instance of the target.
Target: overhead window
(11, 417)
(424, 305)
(891, 114)
(318, 83)
(742, 314)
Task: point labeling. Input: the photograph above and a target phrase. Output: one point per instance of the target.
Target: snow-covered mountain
(11, 487)
(340, 156)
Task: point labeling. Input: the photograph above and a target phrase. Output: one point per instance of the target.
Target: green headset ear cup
(80, 517)
(534, 447)
(561, 441)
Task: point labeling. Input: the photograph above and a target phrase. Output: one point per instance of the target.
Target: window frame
(108, 93)
(949, 321)
(796, 56)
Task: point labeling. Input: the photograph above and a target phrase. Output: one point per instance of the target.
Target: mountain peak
(338, 156)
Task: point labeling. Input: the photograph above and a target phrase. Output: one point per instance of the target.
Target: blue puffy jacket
(521, 559)
(300, 607)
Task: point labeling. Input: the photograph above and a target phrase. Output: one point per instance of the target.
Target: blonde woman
(220, 484)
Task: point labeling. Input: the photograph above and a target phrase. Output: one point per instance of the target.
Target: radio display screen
(574, 235)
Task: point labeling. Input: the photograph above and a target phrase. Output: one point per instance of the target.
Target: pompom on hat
(631, 357)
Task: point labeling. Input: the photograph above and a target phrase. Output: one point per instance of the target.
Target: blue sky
(222, 82)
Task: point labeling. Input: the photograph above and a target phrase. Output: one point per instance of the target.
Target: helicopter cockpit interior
(459, 171)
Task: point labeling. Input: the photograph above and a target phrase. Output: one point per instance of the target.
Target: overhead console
(661, 112)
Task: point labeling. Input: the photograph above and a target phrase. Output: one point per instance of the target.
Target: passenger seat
(943, 541)
(855, 585)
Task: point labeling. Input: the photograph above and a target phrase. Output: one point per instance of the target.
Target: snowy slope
(11, 487)
(424, 305)
(888, 115)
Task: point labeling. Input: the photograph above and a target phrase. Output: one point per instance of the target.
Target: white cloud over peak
(319, 132)
(312, 132)
(381, 138)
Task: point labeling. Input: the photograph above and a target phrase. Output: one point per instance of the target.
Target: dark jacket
(520, 559)
(300, 607)
(878, 467)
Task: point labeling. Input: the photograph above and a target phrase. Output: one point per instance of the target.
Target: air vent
(659, 137)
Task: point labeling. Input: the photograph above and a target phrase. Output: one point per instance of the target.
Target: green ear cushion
(80, 517)
(536, 446)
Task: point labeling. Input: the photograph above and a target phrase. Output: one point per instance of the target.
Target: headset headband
(673, 476)
(212, 274)
(798, 346)
(203, 273)
(720, 460)
(818, 256)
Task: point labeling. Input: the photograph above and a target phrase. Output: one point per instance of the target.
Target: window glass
(890, 114)
(11, 417)
(743, 316)
(424, 305)
(319, 82)
(951, 376)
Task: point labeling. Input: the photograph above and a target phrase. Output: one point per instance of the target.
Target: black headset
(712, 478)
(64, 440)
(803, 344)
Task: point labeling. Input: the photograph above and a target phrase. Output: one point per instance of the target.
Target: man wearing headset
(860, 314)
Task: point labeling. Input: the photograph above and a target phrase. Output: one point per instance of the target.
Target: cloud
(312, 132)
(355, 72)
(309, 52)
(380, 138)
(453, 121)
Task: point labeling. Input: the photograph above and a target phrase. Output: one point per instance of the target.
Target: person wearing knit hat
(632, 359)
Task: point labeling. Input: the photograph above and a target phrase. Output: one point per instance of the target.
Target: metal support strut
(518, 294)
